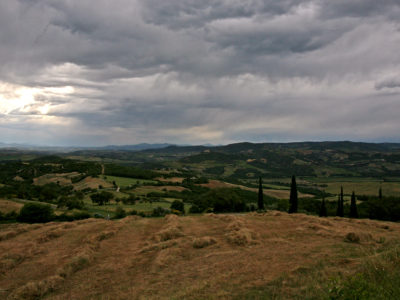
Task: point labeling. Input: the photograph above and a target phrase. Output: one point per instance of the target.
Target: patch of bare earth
(196, 257)
(171, 179)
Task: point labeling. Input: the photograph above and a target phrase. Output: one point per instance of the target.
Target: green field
(125, 181)
(364, 187)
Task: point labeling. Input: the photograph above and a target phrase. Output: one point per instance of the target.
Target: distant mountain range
(136, 147)
(231, 148)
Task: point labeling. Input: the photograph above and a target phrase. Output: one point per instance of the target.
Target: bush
(12, 215)
(178, 205)
(119, 213)
(102, 198)
(195, 209)
(142, 214)
(160, 212)
(220, 200)
(81, 215)
(75, 216)
(70, 203)
(36, 213)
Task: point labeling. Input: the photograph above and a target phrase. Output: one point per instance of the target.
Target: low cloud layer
(130, 71)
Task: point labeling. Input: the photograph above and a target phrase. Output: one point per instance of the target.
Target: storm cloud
(130, 71)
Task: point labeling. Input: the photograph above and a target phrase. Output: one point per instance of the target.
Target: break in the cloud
(129, 71)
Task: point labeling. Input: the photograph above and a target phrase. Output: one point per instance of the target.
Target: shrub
(12, 215)
(160, 212)
(142, 214)
(119, 213)
(178, 205)
(102, 198)
(81, 215)
(70, 203)
(220, 200)
(36, 213)
(195, 209)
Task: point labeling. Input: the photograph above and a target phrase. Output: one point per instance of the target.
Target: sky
(100, 72)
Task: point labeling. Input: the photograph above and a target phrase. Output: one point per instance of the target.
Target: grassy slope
(124, 181)
(253, 256)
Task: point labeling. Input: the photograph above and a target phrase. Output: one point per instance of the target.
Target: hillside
(247, 256)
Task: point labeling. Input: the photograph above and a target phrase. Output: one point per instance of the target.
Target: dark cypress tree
(322, 210)
(380, 193)
(340, 206)
(341, 202)
(353, 206)
(293, 201)
(260, 195)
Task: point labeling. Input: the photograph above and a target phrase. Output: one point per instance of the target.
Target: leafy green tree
(70, 202)
(178, 205)
(322, 211)
(101, 198)
(293, 200)
(220, 200)
(36, 213)
(260, 195)
(353, 206)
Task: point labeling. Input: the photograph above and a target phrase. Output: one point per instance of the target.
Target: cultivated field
(247, 256)
(276, 193)
(124, 181)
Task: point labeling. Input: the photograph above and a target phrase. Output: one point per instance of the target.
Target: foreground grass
(245, 256)
(377, 276)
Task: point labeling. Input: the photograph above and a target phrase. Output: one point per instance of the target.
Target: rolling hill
(249, 256)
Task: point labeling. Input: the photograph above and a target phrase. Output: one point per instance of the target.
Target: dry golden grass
(91, 182)
(171, 179)
(62, 178)
(7, 206)
(197, 257)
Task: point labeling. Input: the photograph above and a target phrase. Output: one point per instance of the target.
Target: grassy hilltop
(252, 256)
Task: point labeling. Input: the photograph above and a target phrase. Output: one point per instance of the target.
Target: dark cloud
(389, 83)
(198, 71)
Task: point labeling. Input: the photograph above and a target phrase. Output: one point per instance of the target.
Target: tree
(220, 200)
(340, 206)
(119, 213)
(260, 195)
(178, 205)
(36, 213)
(293, 200)
(380, 193)
(322, 210)
(102, 198)
(353, 206)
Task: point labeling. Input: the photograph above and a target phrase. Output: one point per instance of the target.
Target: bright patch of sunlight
(19, 99)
